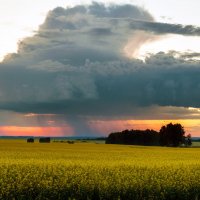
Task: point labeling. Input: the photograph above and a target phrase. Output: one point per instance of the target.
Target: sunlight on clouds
(194, 109)
(19, 19)
(170, 42)
(135, 43)
(37, 115)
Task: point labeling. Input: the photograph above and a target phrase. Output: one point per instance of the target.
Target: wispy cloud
(164, 28)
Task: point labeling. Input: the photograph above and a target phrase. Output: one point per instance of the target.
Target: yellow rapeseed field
(97, 171)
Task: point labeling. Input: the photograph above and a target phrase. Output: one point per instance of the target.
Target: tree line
(169, 135)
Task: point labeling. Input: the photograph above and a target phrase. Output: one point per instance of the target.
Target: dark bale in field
(70, 142)
(30, 140)
(45, 140)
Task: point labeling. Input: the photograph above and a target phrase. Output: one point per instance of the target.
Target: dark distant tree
(134, 137)
(30, 140)
(163, 136)
(172, 135)
(188, 140)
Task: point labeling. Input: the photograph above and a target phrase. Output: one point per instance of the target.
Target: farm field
(195, 144)
(97, 171)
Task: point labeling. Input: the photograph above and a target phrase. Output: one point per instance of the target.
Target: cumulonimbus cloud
(75, 65)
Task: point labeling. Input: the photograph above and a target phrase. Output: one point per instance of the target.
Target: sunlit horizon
(102, 128)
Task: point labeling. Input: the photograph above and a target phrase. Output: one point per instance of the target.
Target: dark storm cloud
(75, 65)
(102, 88)
(165, 28)
(190, 55)
(101, 31)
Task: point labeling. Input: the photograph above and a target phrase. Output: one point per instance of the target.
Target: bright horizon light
(102, 128)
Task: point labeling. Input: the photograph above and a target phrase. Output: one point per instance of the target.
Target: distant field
(196, 144)
(97, 171)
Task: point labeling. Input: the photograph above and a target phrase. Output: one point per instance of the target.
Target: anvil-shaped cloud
(77, 65)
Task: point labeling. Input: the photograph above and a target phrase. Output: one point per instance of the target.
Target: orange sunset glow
(190, 126)
(101, 127)
(36, 131)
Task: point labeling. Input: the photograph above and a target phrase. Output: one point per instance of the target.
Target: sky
(83, 68)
